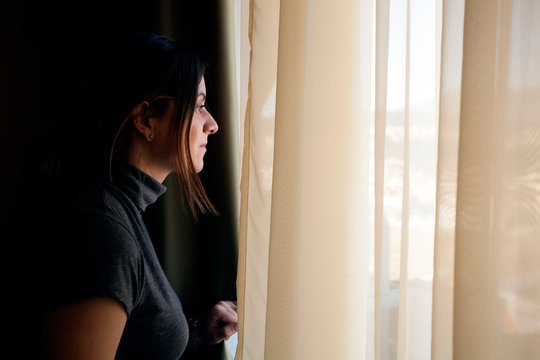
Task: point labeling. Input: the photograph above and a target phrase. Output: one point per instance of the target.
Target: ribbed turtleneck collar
(140, 187)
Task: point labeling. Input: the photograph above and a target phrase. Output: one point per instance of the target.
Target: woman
(141, 115)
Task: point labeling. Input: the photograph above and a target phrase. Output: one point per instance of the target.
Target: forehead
(202, 86)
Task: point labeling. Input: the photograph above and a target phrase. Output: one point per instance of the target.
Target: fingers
(223, 321)
(232, 304)
(224, 312)
(220, 323)
(225, 332)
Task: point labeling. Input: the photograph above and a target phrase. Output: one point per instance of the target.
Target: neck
(139, 156)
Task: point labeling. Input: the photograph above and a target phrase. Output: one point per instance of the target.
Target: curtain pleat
(476, 312)
(317, 262)
(256, 181)
(497, 272)
(381, 283)
(449, 115)
(402, 345)
(283, 271)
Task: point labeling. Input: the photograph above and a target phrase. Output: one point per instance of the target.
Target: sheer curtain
(390, 181)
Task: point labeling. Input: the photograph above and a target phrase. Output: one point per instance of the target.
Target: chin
(198, 163)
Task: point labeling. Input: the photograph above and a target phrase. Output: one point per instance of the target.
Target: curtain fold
(390, 180)
(447, 167)
(256, 181)
(497, 272)
(317, 268)
(381, 280)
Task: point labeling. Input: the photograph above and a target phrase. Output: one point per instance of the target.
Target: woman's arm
(87, 330)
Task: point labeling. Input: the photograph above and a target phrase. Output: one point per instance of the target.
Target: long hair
(133, 68)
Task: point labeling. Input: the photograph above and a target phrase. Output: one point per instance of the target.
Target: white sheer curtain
(390, 190)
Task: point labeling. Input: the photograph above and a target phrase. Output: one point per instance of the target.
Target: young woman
(141, 116)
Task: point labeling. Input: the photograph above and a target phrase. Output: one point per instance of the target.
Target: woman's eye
(200, 107)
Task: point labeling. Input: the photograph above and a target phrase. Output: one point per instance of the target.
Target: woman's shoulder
(97, 195)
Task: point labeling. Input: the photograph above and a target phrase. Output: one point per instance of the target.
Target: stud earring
(150, 137)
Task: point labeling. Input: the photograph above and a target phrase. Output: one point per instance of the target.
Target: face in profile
(202, 125)
(161, 150)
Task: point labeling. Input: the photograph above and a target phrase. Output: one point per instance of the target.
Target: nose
(210, 125)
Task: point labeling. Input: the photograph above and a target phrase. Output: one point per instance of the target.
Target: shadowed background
(43, 47)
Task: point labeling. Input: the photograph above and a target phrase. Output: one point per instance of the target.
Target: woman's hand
(220, 323)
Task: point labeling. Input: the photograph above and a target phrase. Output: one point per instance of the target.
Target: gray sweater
(105, 250)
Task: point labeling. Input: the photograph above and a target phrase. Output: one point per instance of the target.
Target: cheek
(192, 137)
(194, 132)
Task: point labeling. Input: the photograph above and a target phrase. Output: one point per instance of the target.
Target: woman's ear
(140, 116)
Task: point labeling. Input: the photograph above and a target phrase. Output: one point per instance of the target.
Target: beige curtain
(390, 181)
(497, 247)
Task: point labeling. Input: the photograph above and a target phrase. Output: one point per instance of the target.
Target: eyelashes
(200, 108)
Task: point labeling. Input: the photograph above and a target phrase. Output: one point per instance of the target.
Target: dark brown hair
(130, 69)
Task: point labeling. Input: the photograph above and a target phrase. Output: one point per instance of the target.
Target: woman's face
(202, 125)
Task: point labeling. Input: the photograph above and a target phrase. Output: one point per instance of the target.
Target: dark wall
(43, 46)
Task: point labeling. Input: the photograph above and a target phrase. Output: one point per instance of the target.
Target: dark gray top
(105, 251)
